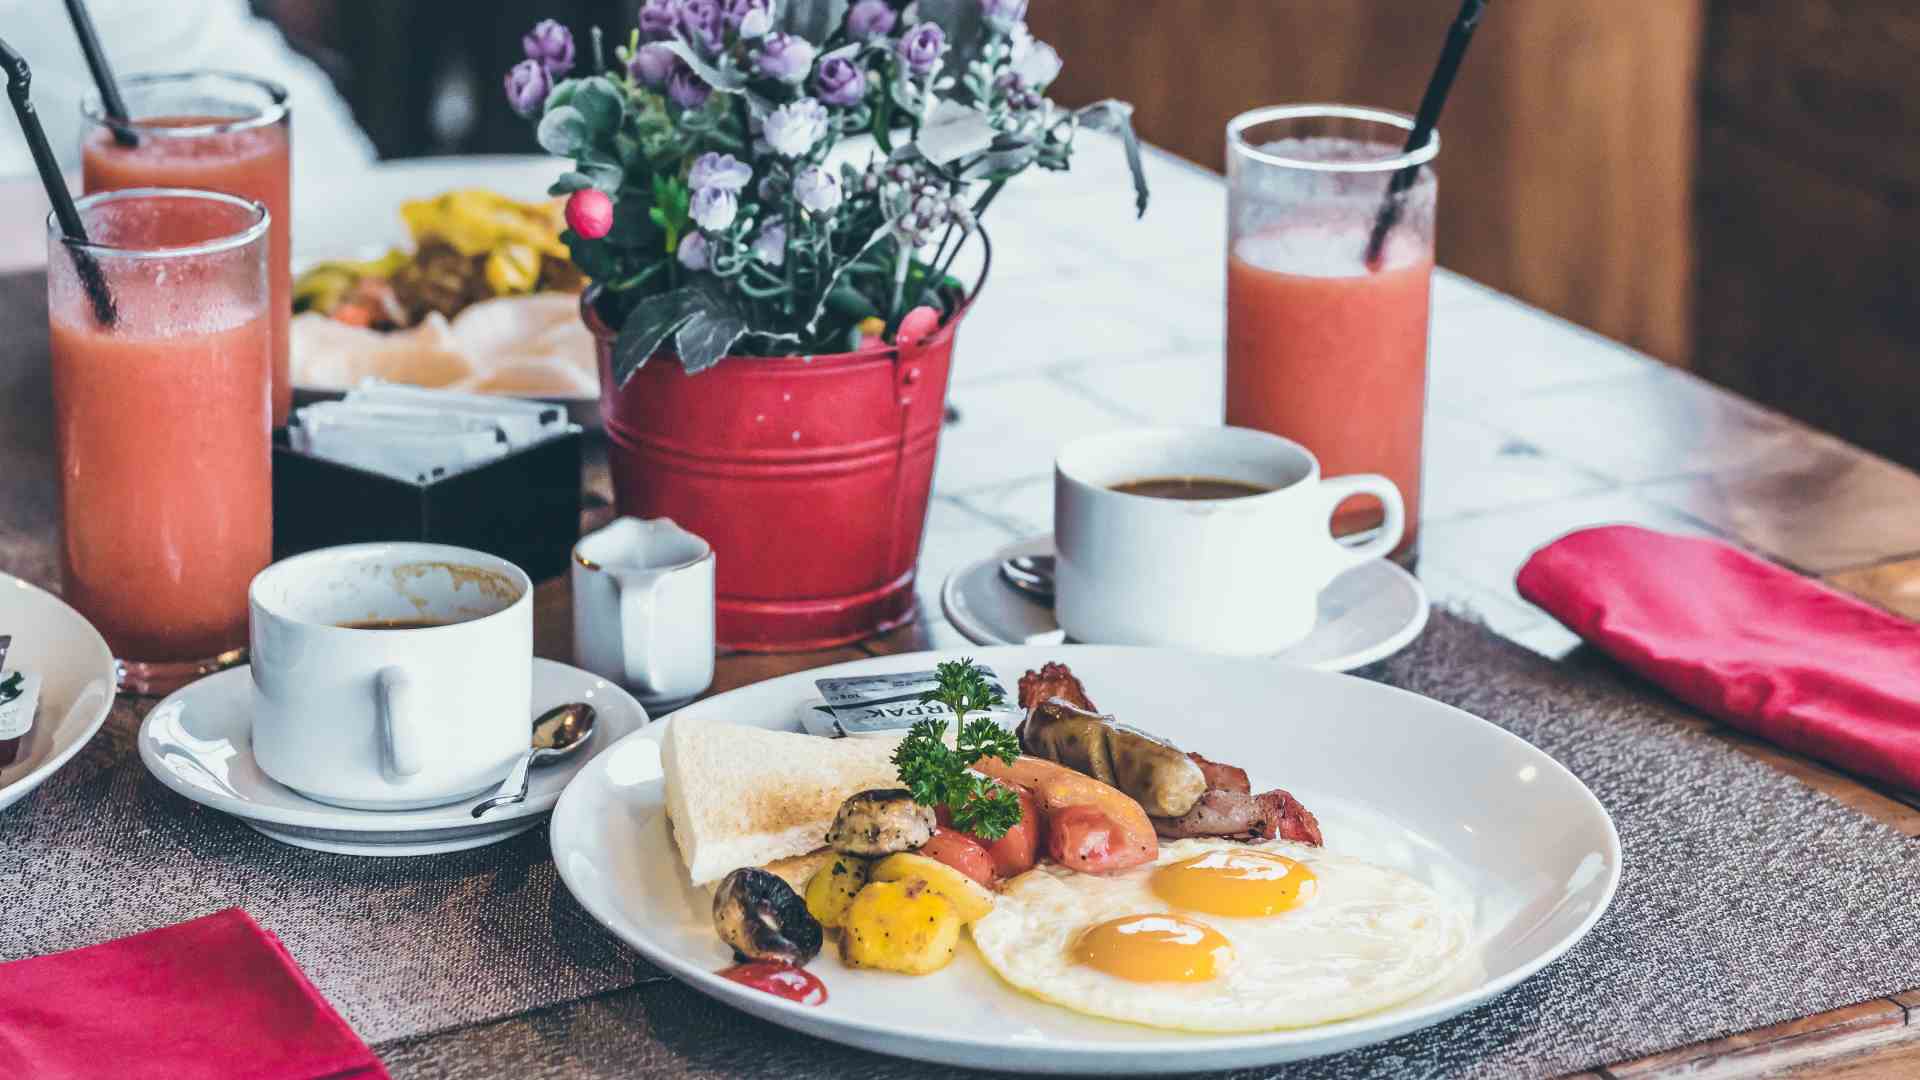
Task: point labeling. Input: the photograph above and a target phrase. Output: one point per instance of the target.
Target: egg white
(1368, 939)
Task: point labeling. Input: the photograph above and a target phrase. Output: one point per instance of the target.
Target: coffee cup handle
(1338, 489)
(402, 746)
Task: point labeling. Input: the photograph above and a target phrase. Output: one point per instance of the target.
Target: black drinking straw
(1455, 49)
(19, 81)
(110, 98)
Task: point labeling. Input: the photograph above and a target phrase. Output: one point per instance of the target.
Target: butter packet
(889, 704)
(19, 697)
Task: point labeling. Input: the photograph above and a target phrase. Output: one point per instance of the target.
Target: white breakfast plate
(77, 682)
(198, 742)
(1369, 613)
(1395, 778)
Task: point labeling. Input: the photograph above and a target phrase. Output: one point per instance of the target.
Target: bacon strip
(1223, 777)
(1050, 682)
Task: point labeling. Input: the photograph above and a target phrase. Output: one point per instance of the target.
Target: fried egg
(1221, 936)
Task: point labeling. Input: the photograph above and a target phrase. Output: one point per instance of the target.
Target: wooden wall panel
(1569, 140)
(1808, 231)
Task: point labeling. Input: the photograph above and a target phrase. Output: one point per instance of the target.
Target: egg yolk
(1239, 884)
(1153, 948)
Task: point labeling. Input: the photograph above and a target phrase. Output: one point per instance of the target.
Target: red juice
(253, 162)
(163, 424)
(1332, 356)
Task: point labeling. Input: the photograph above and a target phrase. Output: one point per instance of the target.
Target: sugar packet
(888, 704)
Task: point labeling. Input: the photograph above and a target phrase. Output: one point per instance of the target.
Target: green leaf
(562, 132)
(649, 325)
(562, 93)
(601, 104)
(569, 183)
(708, 337)
(1117, 117)
(727, 82)
(607, 178)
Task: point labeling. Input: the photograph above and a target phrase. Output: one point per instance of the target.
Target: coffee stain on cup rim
(491, 584)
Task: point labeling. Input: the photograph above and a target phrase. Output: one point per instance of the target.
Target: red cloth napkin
(1762, 648)
(217, 998)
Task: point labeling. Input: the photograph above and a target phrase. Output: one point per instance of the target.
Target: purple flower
(869, 19)
(686, 89)
(702, 24)
(653, 65)
(722, 171)
(1002, 15)
(693, 252)
(527, 87)
(713, 209)
(785, 58)
(552, 45)
(792, 129)
(817, 190)
(659, 17)
(840, 82)
(750, 18)
(770, 246)
(922, 47)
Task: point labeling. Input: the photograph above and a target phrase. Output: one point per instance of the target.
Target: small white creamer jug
(643, 609)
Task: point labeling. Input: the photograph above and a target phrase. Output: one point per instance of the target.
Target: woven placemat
(1748, 899)
(399, 946)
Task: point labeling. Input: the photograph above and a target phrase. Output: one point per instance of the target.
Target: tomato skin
(1019, 847)
(960, 851)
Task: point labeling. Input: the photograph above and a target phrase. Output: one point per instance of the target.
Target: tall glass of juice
(1325, 345)
(216, 132)
(162, 360)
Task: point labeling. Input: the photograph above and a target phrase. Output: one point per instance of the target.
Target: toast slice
(744, 796)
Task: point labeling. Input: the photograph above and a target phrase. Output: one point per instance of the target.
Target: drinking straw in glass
(163, 424)
(1321, 347)
(216, 132)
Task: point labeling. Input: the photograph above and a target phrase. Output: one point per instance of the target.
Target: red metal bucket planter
(810, 477)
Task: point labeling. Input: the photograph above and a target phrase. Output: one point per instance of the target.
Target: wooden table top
(1536, 427)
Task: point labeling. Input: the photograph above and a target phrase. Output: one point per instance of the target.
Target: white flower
(714, 208)
(693, 252)
(793, 129)
(755, 23)
(770, 246)
(817, 190)
(722, 171)
(1034, 61)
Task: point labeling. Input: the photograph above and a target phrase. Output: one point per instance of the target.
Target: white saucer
(198, 742)
(1367, 614)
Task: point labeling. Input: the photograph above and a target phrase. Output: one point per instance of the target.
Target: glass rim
(230, 242)
(1237, 142)
(94, 111)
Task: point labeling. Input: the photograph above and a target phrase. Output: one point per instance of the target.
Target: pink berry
(590, 213)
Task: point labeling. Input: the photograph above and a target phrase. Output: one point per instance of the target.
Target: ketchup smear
(780, 980)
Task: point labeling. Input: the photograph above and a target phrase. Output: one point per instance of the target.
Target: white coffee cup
(391, 719)
(643, 609)
(1234, 575)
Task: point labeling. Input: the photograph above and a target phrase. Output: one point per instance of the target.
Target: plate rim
(1253, 1048)
(20, 787)
(341, 819)
(974, 631)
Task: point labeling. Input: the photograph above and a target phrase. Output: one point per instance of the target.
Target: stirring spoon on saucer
(1030, 575)
(557, 733)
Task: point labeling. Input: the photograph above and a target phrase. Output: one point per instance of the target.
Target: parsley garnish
(937, 775)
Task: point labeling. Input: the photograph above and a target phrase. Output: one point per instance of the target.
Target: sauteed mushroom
(761, 916)
(881, 822)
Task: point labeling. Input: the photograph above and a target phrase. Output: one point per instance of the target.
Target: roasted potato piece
(968, 897)
(832, 888)
(902, 926)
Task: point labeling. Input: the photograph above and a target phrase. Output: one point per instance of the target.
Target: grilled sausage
(1164, 781)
